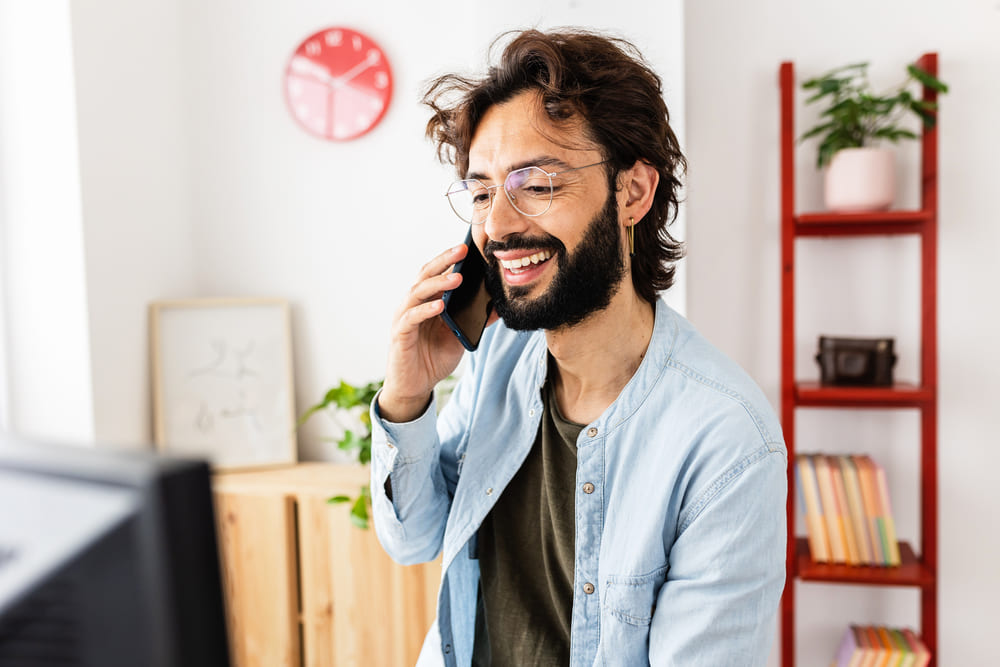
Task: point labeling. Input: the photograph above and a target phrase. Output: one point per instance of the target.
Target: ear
(637, 185)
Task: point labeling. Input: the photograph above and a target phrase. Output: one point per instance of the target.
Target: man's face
(575, 248)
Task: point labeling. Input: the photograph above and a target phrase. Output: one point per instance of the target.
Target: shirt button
(389, 445)
(447, 648)
(588, 588)
(592, 432)
(531, 413)
(489, 491)
(588, 488)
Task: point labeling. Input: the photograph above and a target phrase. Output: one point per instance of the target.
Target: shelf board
(899, 395)
(911, 572)
(862, 224)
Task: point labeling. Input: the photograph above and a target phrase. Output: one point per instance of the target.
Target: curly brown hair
(606, 82)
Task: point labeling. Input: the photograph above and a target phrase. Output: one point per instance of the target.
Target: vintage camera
(861, 362)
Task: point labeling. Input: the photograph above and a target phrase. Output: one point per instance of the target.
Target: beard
(585, 280)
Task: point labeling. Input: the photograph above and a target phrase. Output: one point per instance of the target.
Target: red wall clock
(338, 84)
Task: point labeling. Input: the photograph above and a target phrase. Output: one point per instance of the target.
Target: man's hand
(422, 350)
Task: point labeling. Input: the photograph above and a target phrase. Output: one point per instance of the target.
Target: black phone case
(450, 295)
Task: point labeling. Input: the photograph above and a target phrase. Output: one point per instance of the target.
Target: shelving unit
(919, 567)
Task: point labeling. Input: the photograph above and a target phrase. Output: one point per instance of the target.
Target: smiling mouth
(521, 264)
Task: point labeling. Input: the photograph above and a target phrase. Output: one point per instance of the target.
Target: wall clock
(338, 84)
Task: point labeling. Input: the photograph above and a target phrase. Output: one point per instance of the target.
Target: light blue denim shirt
(680, 540)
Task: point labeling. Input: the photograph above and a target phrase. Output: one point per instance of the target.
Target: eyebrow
(542, 161)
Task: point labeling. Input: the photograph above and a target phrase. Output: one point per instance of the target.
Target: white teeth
(537, 258)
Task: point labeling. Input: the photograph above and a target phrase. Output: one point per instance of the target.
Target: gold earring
(631, 237)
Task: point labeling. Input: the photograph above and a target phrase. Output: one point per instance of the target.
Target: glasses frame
(491, 190)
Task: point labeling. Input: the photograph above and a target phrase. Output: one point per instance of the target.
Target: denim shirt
(680, 501)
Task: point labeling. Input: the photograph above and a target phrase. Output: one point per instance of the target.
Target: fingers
(442, 262)
(424, 298)
(413, 317)
(434, 287)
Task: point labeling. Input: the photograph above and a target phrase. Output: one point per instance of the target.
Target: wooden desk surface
(308, 478)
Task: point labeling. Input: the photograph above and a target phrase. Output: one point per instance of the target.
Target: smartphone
(468, 306)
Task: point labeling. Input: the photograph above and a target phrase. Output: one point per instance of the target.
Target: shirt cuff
(412, 440)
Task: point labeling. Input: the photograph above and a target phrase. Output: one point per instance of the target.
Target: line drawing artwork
(240, 371)
(224, 383)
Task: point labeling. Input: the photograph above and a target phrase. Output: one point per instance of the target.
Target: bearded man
(606, 487)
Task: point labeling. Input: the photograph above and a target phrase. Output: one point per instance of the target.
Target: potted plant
(860, 174)
(347, 397)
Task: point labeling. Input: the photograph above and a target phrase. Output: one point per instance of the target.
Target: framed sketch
(222, 380)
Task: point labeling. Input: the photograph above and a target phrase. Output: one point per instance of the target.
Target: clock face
(338, 84)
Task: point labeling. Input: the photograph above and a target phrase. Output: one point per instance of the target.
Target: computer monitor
(107, 559)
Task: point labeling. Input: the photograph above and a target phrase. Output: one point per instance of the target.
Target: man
(606, 487)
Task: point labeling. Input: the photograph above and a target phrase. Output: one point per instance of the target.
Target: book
(856, 510)
(893, 651)
(881, 653)
(880, 646)
(815, 528)
(831, 512)
(840, 495)
(869, 498)
(865, 648)
(849, 653)
(889, 525)
(909, 657)
(922, 655)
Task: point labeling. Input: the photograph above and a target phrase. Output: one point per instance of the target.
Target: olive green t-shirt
(526, 553)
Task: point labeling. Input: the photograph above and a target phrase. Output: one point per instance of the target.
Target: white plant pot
(860, 179)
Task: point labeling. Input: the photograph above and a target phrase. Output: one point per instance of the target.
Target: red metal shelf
(919, 572)
(900, 395)
(862, 224)
(911, 572)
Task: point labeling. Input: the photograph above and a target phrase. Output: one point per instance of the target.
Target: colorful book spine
(815, 529)
(909, 657)
(856, 510)
(831, 512)
(893, 652)
(840, 495)
(869, 497)
(866, 653)
(892, 553)
(880, 646)
(847, 654)
(922, 655)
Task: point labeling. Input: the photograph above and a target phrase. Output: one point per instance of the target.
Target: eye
(480, 197)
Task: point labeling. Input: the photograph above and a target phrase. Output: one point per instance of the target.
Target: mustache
(521, 242)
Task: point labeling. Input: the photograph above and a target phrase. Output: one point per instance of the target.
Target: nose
(503, 219)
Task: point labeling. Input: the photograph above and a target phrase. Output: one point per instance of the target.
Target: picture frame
(222, 381)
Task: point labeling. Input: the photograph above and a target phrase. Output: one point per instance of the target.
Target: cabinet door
(257, 550)
(359, 607)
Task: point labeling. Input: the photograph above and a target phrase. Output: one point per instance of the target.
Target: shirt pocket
(632, 599)
(626, 612)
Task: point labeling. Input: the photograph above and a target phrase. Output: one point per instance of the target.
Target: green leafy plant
(341, 398)
(856, 116)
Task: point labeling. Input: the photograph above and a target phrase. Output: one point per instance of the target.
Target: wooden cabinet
(919, 568)
(305, 587)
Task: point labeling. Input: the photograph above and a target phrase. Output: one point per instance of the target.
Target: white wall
(135, 173)
(859, 287)
(46, 320)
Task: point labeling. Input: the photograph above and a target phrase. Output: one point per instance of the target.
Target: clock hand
(305, 67)
(356, 70)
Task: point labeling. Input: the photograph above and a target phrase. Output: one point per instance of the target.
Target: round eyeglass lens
(470, 200)
(530, 190)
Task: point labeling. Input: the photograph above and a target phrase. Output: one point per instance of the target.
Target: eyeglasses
(529, 190)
